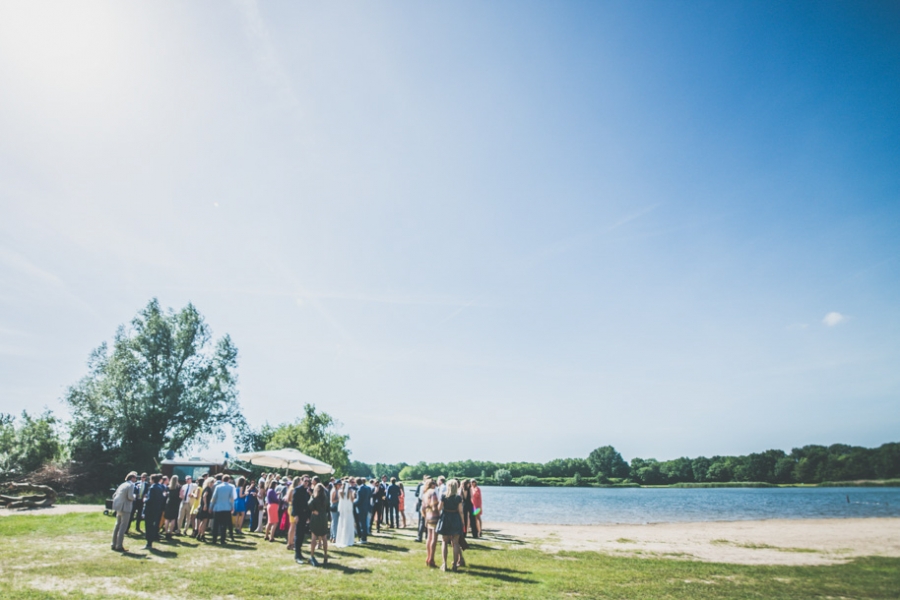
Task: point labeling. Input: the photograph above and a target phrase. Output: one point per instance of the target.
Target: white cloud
(834, 318)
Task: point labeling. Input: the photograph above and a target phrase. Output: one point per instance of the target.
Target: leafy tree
(163, 385)
(700, 468)
(26, 447)
(503, 476)
(678, 470)
(606, 461)
(254, 440)
(314, 435)
(647, 471)
(359, 469)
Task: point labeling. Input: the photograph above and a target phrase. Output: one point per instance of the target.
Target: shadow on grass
(163, 553)
(481, 547)
(499, 537)
(498, 574)
(134, 555)
(344, 569)
(181, 543)
(344, 553)
(385, 547)
(497, 569)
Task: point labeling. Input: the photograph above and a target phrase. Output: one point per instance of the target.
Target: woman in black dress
(318, 523)
(173, 504)
(450, 525)
(205, 511)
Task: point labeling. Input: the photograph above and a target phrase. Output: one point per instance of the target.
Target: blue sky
(508, 231)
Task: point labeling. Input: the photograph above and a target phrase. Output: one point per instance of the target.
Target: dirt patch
(773, 542)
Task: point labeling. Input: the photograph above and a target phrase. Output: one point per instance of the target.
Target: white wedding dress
(346, 531)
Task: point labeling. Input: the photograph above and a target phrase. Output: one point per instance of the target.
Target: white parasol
(286, 458)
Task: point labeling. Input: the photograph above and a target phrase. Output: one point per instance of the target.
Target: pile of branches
(43, 496)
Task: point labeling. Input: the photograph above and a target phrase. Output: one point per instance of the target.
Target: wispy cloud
(834, 318)
(265, 53)
(566, 244)
(632, 217)
(20, 264)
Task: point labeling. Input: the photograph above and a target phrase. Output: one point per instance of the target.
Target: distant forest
(808, 465)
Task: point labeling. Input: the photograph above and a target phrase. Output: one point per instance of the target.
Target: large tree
(606, 461)
(164, 385)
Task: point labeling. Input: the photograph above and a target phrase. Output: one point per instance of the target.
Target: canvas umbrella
(286, 458)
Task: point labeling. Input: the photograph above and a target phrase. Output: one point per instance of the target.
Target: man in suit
(137, 510)
(153, 510)
(184, 509)
(363, 505)
(300, 509)
(123, 503)
(392, 500)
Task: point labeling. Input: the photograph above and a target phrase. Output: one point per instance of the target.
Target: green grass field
(69, 556)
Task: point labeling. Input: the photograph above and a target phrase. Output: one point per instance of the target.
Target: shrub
(527, 480)
(503, 476)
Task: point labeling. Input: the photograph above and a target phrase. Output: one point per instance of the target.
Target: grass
(68, 556)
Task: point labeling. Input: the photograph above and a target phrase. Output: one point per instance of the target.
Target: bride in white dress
(346, 523)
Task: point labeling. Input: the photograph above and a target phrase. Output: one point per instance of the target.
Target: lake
(582, 506)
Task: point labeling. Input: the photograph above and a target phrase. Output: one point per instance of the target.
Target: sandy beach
(774, 542)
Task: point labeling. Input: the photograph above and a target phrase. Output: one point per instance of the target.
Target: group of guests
(342, 511)
(452, 510)
(164, 503)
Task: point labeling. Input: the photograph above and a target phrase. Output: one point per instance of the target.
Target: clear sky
(489, 230)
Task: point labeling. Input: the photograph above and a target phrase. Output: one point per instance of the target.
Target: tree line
(164, 385)
(810, 464)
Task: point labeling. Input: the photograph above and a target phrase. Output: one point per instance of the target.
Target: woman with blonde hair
(431, 514)
(196, 492)
(205, 511)
(287, 500)
(450, 525)
(273, 503)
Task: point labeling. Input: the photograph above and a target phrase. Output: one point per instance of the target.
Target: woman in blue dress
(240, 504)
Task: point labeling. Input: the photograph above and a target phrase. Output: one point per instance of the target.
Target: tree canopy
(163, 385)
(27, 444)
(313, 434)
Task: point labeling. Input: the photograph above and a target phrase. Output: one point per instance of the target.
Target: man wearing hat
(122, 503)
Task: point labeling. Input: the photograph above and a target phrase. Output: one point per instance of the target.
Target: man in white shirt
(184, 511)
(122, 503)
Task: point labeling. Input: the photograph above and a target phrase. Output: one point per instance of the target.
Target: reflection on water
(578, 506)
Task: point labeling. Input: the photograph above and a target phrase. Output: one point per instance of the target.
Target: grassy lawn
(68, 556)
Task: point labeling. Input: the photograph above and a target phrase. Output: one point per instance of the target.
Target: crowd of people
(341, 511)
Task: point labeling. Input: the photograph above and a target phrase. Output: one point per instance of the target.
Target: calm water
(577, 506)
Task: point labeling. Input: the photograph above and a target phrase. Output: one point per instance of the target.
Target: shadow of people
(344, 569)
(497, 573)
(163, 553)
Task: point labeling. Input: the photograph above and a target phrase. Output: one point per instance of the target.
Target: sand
(772, 542)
